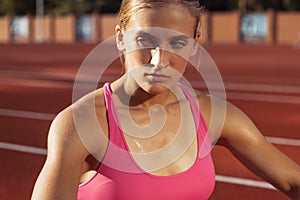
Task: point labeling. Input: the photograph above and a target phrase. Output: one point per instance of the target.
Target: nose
(159, 58)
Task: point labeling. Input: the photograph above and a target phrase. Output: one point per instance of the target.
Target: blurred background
(224, 21)
(43, 43)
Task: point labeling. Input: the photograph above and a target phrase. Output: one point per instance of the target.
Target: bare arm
(60, 175)
(246, 142)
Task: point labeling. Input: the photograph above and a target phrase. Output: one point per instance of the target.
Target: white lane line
(23, 148)
(253, 87)
(246, 182)
(35, 150)
(249, 87)
(214, 87)
(36, 83)
(263, 97)
(258, 97)
(57, 80)
(49, 117)
(26, 114)
(262, 79)
(87, 83)
(220, 178)
(62, 75)
(283, 141)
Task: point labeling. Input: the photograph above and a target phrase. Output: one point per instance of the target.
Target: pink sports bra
(119, 177)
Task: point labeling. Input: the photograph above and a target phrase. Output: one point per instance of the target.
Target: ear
(198, 36)
(196, 40)
(119, 38)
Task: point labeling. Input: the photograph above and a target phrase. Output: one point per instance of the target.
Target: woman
(155, 143)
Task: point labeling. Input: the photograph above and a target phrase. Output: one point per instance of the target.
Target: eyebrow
(144, 33)
(183, 37)
(180, 37)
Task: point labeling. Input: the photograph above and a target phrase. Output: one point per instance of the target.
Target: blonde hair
(130, 7)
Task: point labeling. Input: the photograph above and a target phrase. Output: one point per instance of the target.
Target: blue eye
(178, 44)
(145, 42)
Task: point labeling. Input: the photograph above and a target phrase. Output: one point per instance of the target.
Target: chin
(156, 88)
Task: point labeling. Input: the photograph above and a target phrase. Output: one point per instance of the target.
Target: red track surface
(39, 78)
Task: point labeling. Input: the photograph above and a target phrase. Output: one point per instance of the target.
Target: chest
(161, 141)
(195, 183)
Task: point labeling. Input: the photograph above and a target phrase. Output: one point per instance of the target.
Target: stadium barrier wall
(288, 27)
(4, 27)
(216, 28)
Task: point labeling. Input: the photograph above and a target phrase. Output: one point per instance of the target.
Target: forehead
(172, 17)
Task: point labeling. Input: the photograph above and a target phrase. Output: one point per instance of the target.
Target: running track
(36, 83)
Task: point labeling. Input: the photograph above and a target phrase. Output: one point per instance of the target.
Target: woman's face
(157, 44)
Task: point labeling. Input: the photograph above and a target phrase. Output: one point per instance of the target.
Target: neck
(130, 94)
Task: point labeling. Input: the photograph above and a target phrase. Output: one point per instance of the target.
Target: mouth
(156, 77)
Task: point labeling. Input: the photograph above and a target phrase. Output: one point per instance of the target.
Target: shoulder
(225, 121)
(63, 140)
(228, 124)
(81, 127)
(214, 112)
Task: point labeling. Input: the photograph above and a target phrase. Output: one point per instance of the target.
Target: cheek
(136, 58)
(179, 64)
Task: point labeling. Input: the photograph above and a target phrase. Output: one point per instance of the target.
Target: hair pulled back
(130, 7)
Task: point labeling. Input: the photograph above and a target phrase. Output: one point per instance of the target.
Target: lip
(155, 77)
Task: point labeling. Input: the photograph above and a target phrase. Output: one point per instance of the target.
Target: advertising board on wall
(254, 27)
